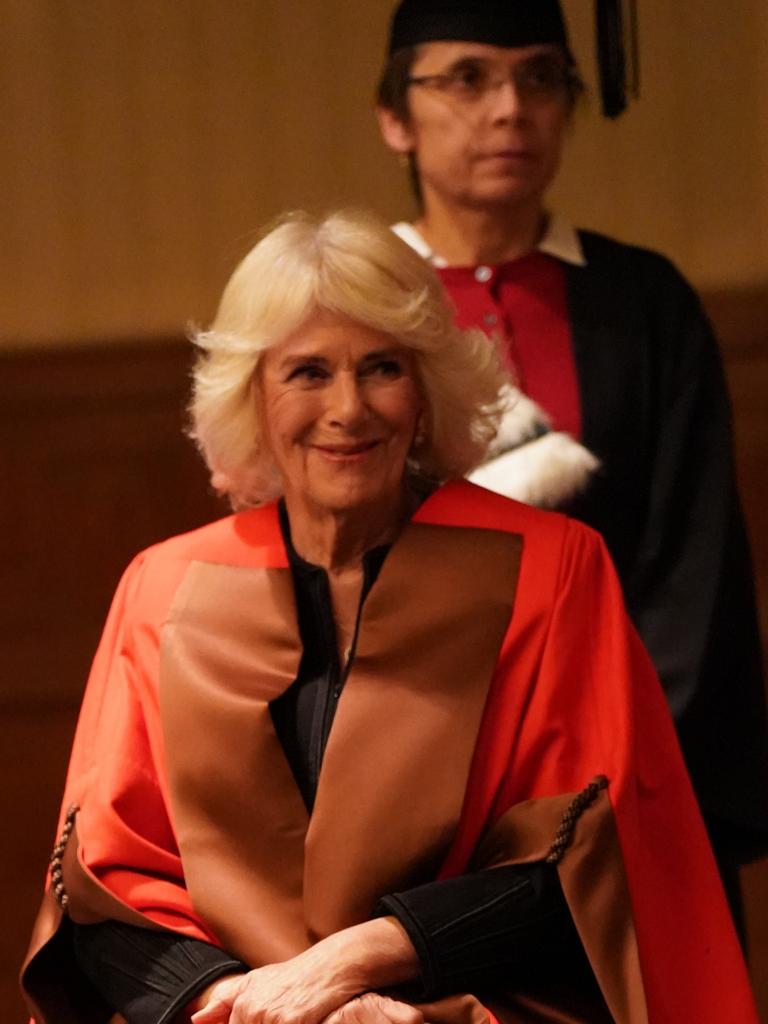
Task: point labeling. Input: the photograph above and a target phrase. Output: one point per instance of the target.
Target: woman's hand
(286, 993)
(372, 1008)
(310, 986)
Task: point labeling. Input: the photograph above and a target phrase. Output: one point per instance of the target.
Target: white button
(483, 274)
(490, 319)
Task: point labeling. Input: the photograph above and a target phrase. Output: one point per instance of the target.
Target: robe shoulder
(253, 534)
(610, 255)
(464, 504)
(253, 539)
(665, 308)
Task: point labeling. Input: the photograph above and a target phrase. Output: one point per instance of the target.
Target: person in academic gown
(625, 420)
(381, 747)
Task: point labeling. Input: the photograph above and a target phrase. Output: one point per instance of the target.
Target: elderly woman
(381, 747)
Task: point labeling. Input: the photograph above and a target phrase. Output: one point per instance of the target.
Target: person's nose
(346, 402)
(506, 101)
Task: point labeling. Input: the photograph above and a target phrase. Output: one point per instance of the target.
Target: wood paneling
(95, 468)
(144, 142)
(34, 746)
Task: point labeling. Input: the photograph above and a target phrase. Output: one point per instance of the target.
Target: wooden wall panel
(34, 746)
(144, 142)
(96, 468)
(684, 170)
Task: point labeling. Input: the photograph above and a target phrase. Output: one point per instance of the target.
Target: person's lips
(511, 154)
(351, 452)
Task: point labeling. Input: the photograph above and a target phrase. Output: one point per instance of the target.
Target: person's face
(340, 404)
(502, 146)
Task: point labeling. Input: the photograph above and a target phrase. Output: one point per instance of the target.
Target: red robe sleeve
(585, 703)
(124, 850)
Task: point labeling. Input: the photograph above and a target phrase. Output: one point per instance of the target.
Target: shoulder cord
(58, 856)
(575, 809)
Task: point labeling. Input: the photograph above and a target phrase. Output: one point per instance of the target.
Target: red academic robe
(496, 675)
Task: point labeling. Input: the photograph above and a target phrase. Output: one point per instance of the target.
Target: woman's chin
(352, 495)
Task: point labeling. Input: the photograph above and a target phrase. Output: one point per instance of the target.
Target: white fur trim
(545, 472)
(522, 420)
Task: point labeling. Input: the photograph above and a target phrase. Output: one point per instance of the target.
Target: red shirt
(524, 303)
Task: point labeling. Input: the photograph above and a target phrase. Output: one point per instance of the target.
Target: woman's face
(501, 147)
(340, 404)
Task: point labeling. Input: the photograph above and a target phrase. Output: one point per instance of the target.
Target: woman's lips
(510, 154)
(346, 452)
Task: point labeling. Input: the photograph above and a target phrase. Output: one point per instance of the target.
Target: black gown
(655, 410)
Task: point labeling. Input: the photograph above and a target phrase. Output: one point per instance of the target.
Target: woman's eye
(470, 79)
(544, 75)
(307, 372)
(386, 368)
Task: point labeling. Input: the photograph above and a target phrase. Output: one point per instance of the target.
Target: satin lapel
(230, 646)
(392, 782)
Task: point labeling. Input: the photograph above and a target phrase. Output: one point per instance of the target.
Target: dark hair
(392, 93)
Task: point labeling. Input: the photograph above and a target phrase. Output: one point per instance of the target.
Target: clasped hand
(329, 983)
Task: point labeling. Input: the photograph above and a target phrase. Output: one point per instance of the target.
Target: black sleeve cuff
(480, 929)
(148, 976)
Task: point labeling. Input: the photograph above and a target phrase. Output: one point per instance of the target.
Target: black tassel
(611, 60)
(633, 51)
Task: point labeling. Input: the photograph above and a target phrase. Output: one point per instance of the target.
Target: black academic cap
(500, 22)
(524, 23)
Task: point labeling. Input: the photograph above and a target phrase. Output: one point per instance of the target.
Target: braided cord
(57, 858)
(575, 809)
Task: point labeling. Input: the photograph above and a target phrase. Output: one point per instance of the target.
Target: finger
(372, 1008)
(337, 1017)
(391, 1010)
(218, 1000)
(356, 1011)
(216, 1012)
(402, 1013)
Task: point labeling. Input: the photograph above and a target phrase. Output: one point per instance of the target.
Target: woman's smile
(351, 453)
(348, 459)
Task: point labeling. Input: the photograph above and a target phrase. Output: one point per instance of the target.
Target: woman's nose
(346, 402)
(505, 100)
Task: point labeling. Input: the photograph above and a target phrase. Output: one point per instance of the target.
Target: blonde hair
(348, 263)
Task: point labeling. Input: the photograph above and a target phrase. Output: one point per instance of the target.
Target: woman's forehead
(438, 55)
(327, 333)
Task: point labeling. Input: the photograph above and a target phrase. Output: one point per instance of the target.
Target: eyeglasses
(537, 80)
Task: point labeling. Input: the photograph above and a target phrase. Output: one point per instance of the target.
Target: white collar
(560, 239)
